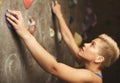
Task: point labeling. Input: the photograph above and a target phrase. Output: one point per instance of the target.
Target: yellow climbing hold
(0, 3)
(51, 31)
(77, 38)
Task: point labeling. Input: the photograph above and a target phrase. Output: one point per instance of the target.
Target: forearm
(45, 60)
(67, 35)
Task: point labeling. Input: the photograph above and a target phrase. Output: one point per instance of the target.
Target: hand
(56, 8)
(16, 19)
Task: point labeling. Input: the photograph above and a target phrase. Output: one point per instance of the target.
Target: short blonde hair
(110, 50)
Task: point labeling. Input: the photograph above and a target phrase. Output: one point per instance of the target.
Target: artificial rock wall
(16, 63)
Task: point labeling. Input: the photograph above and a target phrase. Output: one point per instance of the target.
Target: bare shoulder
(73, 75)
(89, 76)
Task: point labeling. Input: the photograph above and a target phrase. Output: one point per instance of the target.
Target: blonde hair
(110, 50)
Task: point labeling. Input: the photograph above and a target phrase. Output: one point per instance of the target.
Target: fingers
(53, 4)
(56, 2)
(13, 23)
(14, 12)
(15, 18)
(17, 14)
(11, 17)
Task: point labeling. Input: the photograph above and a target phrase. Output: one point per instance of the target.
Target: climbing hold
(71, 20)
(7, 22)
(75, 1)
(72, 3)
(77, 38)
(0, 2)
(27, 3)
(51, 31)
(32, 25)
(31, 21)
(59, 36)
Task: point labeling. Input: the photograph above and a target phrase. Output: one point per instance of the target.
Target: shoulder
(89, 76)
(74, 75)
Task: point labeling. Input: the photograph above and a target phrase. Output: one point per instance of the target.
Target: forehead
(98, 41)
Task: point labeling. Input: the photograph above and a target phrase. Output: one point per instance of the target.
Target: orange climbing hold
(27, 3)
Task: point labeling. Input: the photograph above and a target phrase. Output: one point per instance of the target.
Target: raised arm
(65, 31)
(45, 59)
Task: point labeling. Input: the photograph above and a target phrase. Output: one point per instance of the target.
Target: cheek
(89, 54)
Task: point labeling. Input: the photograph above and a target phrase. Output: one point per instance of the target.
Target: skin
(89, 52)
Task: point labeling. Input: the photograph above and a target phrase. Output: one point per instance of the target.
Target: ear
(99, 59)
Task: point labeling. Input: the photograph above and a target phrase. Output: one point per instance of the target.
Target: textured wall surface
(16, 63)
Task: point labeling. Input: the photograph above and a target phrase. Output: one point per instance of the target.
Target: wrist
(25, 35)
(59, 15)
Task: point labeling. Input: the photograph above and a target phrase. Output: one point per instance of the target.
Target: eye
(92, 44)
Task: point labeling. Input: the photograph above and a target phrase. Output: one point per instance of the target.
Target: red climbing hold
(27, 3)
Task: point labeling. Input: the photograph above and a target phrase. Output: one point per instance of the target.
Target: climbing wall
(16, 63)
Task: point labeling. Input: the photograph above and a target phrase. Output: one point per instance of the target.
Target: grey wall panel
(16, 63)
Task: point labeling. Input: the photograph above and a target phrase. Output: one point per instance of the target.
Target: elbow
(52, 69)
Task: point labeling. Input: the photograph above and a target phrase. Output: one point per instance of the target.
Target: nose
(86, 44)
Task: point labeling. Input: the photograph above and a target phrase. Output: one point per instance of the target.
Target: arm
(66, 33)
(46, 60)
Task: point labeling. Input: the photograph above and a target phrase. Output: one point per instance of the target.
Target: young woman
(96, 55)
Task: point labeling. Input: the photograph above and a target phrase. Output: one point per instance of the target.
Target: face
(89, 51)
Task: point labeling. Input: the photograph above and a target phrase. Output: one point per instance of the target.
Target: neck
(93, 68)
